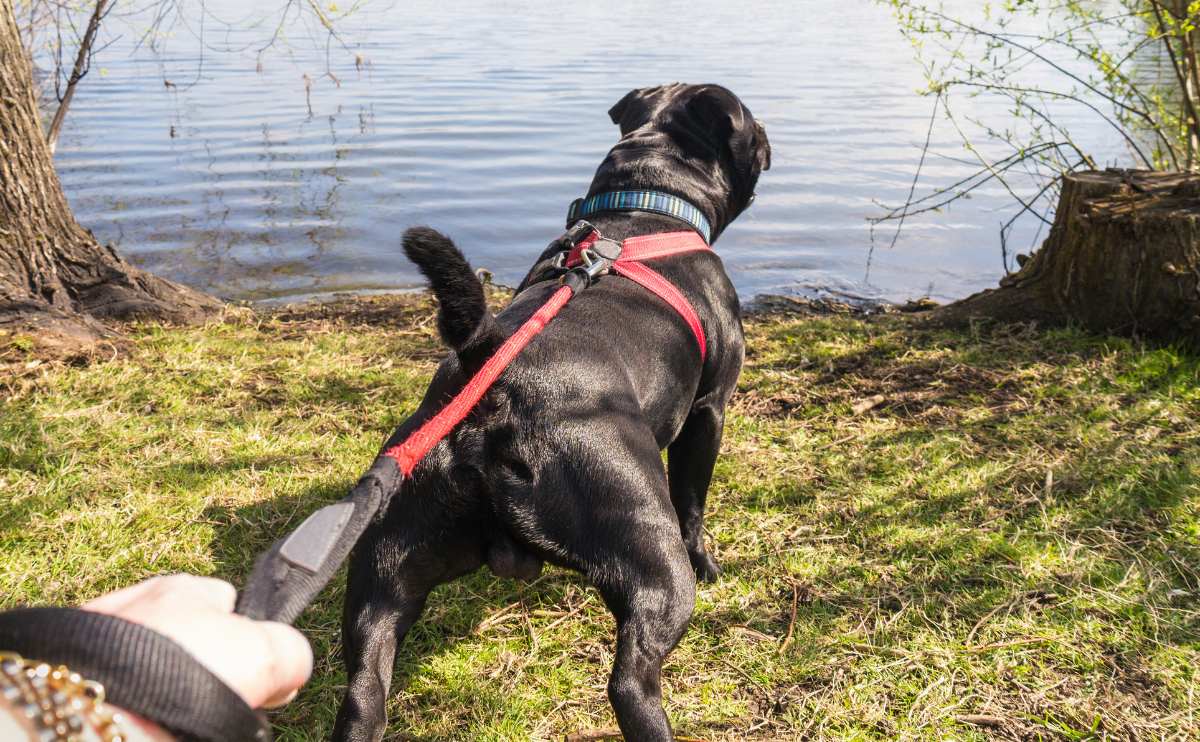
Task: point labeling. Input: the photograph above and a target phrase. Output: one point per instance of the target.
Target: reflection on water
(485, 120)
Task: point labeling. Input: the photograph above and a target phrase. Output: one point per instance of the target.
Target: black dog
(560, 461)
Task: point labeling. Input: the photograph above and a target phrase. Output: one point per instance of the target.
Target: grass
(1006, 545)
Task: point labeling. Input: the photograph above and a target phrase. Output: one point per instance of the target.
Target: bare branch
(82, 65)
(912, 189)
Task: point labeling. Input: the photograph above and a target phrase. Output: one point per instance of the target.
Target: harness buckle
(584, 275)
(576, 234)
(605, 249)
(596, 260)
(594, 264)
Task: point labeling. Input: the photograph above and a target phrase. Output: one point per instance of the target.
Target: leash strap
(413, 449)
(287, 577)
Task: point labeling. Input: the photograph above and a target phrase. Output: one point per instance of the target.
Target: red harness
(635, 250)
(629, 264)
(288, 576)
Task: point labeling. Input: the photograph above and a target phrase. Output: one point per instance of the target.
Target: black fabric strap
(288, 576)
(141, 670)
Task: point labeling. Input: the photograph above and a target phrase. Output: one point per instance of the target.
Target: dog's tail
(464, 321)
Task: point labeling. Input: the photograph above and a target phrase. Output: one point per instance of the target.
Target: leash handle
(288, 576)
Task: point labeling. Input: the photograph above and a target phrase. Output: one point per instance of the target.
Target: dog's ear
(761, 145)
(617, 112)
(721, 120)
(636, 108)
(711, 116)
(724, 122)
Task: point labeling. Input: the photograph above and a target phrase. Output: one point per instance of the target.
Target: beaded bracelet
(59, 703)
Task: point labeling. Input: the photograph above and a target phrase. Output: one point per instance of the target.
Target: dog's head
(699, 142)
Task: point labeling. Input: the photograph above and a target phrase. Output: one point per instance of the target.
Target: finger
(183, 589)
(216, 594)
(112, 603)
(290, 664)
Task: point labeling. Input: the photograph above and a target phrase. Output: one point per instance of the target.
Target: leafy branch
(1053, 63)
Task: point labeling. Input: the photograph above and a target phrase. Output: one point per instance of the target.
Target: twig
(892, 651)
(787, 640)
(1005, 645)
(980, 720)
(912, 188)
(570, 613)
(82, 65)
(503, 615)
(979, 624)
(992, 172)
(868, 404)
(594, 734)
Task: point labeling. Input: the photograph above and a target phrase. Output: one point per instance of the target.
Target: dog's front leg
(690, 460)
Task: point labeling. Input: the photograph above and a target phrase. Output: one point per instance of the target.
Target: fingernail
(273, 704)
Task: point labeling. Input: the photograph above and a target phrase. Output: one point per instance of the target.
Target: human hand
(266, 663)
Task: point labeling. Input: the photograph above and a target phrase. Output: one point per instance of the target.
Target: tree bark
(1123, 257)
(56, 281)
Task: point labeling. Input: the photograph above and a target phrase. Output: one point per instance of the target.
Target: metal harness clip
(577, 233)
(594, 265)
(597, 260)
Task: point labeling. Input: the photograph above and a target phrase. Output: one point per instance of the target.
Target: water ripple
(485, 120)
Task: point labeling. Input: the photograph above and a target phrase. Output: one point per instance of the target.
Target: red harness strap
(409, 453)
(633, 250)
(637, 249)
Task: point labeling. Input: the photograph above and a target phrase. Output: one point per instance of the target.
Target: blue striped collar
(656, 201)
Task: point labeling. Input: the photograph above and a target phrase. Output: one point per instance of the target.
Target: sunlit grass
(1008, 545)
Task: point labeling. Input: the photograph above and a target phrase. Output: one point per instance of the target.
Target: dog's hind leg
(385, 594)
(690, 458)
(630, 548)
(652, 601)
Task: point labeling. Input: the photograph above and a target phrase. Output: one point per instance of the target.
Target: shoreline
(760, 304)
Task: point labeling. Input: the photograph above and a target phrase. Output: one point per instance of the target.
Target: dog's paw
(705, 566)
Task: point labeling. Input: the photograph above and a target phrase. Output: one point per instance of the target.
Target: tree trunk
(1122, 257)
(56, 280)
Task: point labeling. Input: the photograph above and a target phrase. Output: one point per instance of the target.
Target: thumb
(289, 666)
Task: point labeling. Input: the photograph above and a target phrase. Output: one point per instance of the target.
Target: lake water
(484, 119)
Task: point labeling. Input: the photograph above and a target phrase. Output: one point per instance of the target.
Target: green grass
(1008, 545)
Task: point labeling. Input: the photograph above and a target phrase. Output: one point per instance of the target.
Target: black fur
(560, 461)
(462, 308)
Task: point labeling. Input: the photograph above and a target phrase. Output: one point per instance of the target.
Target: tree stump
(1122, 257)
